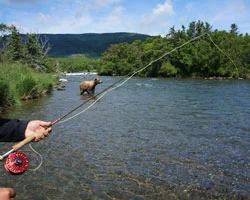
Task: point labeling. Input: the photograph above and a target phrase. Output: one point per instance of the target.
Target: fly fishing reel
(16, 163)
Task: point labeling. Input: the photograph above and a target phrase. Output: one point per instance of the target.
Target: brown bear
(89, 86)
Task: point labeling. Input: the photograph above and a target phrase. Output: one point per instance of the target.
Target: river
(149, 139)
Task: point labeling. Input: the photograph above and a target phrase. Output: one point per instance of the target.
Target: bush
(21, 82)
(167, 70)
(25, 86)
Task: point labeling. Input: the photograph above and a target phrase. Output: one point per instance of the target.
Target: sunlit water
(149, 139)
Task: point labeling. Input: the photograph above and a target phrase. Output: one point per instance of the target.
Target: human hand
(39, 129)
(7, 193)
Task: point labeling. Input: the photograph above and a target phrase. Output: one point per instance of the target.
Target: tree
(33, 53)
(15, 48)
(4, 31)
(36, 49)
(44, 44)
(234, 29)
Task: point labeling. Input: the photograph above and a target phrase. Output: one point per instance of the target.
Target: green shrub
(26, 85)
(19, 81)
(168, 70)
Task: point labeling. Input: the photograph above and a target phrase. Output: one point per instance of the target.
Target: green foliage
(26, 50)
(4, 92)
(21, 80)
(234, 29)
(77, 64)
(4, 31)
(120, 59)
(107, 69)
(167, 70)
(33, 51)
(15, 47)
(25, 85)
(227, 55)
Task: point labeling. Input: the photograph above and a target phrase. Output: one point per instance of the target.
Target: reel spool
(16, 163)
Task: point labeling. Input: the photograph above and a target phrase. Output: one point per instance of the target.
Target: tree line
(216, 53)
(226, 55)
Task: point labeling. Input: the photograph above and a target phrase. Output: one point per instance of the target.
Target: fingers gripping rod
(19, 145)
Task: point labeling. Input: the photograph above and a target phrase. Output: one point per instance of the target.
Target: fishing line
(41, 158)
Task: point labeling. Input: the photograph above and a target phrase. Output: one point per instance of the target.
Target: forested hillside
(89, 44)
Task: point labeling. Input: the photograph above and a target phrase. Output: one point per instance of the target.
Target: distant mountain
(88, 44)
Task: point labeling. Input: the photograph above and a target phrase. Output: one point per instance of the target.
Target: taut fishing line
(114, 86)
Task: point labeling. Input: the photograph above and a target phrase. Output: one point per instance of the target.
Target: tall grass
(4, 92)
(18, 81)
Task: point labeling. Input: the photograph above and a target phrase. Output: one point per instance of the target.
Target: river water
(149, 139)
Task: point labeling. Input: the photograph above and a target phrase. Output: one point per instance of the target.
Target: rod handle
(23, 142)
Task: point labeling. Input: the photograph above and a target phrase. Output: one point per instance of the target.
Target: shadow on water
(150, 139)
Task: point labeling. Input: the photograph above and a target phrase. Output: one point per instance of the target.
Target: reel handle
(23, 143)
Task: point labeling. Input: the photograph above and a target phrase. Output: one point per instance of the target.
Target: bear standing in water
(89, 86)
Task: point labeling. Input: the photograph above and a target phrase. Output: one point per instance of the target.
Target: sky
(152, 17)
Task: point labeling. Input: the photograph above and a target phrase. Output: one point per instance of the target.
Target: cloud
(117, 11)
(158, 20)
(162, 13)
(163, 9)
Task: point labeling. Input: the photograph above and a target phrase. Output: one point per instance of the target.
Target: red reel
(17, 163)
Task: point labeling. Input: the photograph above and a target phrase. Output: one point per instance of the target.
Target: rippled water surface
(149, 139)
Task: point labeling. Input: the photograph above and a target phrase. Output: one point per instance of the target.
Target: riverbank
(20, 82)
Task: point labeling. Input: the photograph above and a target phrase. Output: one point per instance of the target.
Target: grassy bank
(19, 82)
